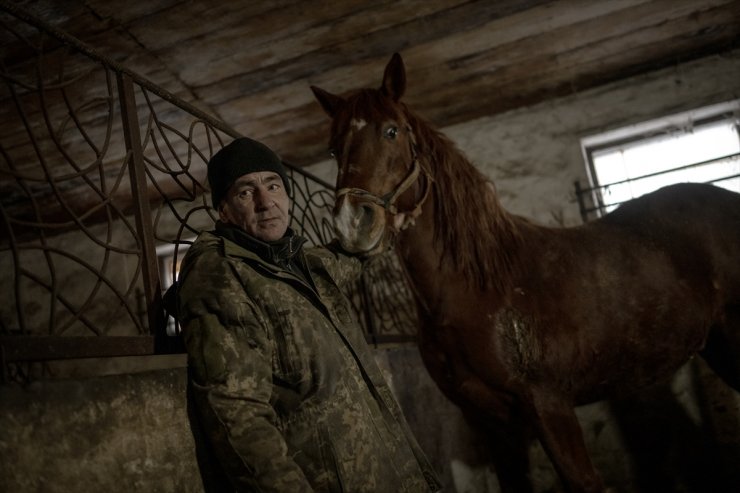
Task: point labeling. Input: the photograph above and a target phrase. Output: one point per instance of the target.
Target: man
(286, 388)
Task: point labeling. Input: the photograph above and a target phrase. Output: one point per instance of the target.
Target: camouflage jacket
(284, 381)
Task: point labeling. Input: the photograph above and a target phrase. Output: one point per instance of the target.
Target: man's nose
(262, 200)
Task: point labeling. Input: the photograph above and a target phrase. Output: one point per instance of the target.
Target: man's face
(259, 204)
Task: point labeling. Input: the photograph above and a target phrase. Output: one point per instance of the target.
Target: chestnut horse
(520, 322)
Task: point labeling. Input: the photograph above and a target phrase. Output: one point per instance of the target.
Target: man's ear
(222, 214)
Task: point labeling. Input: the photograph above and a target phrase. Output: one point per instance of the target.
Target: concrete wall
(113, 433)
(129, 430)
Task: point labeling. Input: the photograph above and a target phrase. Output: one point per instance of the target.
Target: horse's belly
(589, 363)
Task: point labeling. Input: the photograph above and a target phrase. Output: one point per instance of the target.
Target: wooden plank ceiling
(250, 63)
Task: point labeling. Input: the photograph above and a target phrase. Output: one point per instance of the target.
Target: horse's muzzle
(359, 225)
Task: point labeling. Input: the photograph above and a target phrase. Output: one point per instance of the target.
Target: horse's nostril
(363, 215)
(366, 216)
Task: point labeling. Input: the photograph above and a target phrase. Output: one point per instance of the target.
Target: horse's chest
(498, 348)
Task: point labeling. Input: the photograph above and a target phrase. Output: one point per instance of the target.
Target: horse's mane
(477, 235)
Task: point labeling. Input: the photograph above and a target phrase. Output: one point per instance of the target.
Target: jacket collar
(279, 252)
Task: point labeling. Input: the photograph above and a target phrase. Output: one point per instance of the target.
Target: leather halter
(388, 200)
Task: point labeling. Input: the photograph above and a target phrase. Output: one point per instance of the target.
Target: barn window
(696, 146)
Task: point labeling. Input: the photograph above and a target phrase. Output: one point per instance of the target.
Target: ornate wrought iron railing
(98, 168)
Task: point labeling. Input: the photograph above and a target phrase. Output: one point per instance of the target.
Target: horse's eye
(332, 153)
(391, 132)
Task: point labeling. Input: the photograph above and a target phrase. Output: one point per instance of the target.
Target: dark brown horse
(520, 323)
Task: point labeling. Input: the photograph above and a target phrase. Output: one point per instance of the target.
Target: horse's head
(381, 185)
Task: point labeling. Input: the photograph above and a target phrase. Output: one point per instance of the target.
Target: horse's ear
(329, 102)
(394, 78)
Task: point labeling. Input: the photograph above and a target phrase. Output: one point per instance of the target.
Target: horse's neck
(421, 257)
(434, 271)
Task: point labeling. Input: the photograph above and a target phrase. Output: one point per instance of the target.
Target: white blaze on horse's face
(358, 123)
(359, 215)
(377, 167)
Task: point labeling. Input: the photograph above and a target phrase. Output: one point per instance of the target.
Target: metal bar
(4, 377)
(72, 41)
(581, 202)
(140, 194)
(46, 348)
(598, 208)
(658, 173)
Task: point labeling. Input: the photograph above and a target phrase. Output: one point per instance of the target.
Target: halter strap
(388, 200)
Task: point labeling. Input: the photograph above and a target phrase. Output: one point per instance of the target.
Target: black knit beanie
(238, 158)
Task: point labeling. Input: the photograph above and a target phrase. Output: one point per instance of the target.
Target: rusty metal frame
(155, 154)
(135, 159)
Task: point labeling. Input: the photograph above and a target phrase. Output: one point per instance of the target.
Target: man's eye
(332, 153)
(244, 194)
(274, 187)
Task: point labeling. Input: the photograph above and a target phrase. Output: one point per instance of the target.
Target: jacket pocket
(334, 472)
(289, 363)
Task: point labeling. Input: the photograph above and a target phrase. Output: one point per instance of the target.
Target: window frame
(683, 122)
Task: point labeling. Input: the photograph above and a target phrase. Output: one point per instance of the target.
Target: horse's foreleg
(509, 447)
(562, 438)
(508, 443)
(507, 435)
